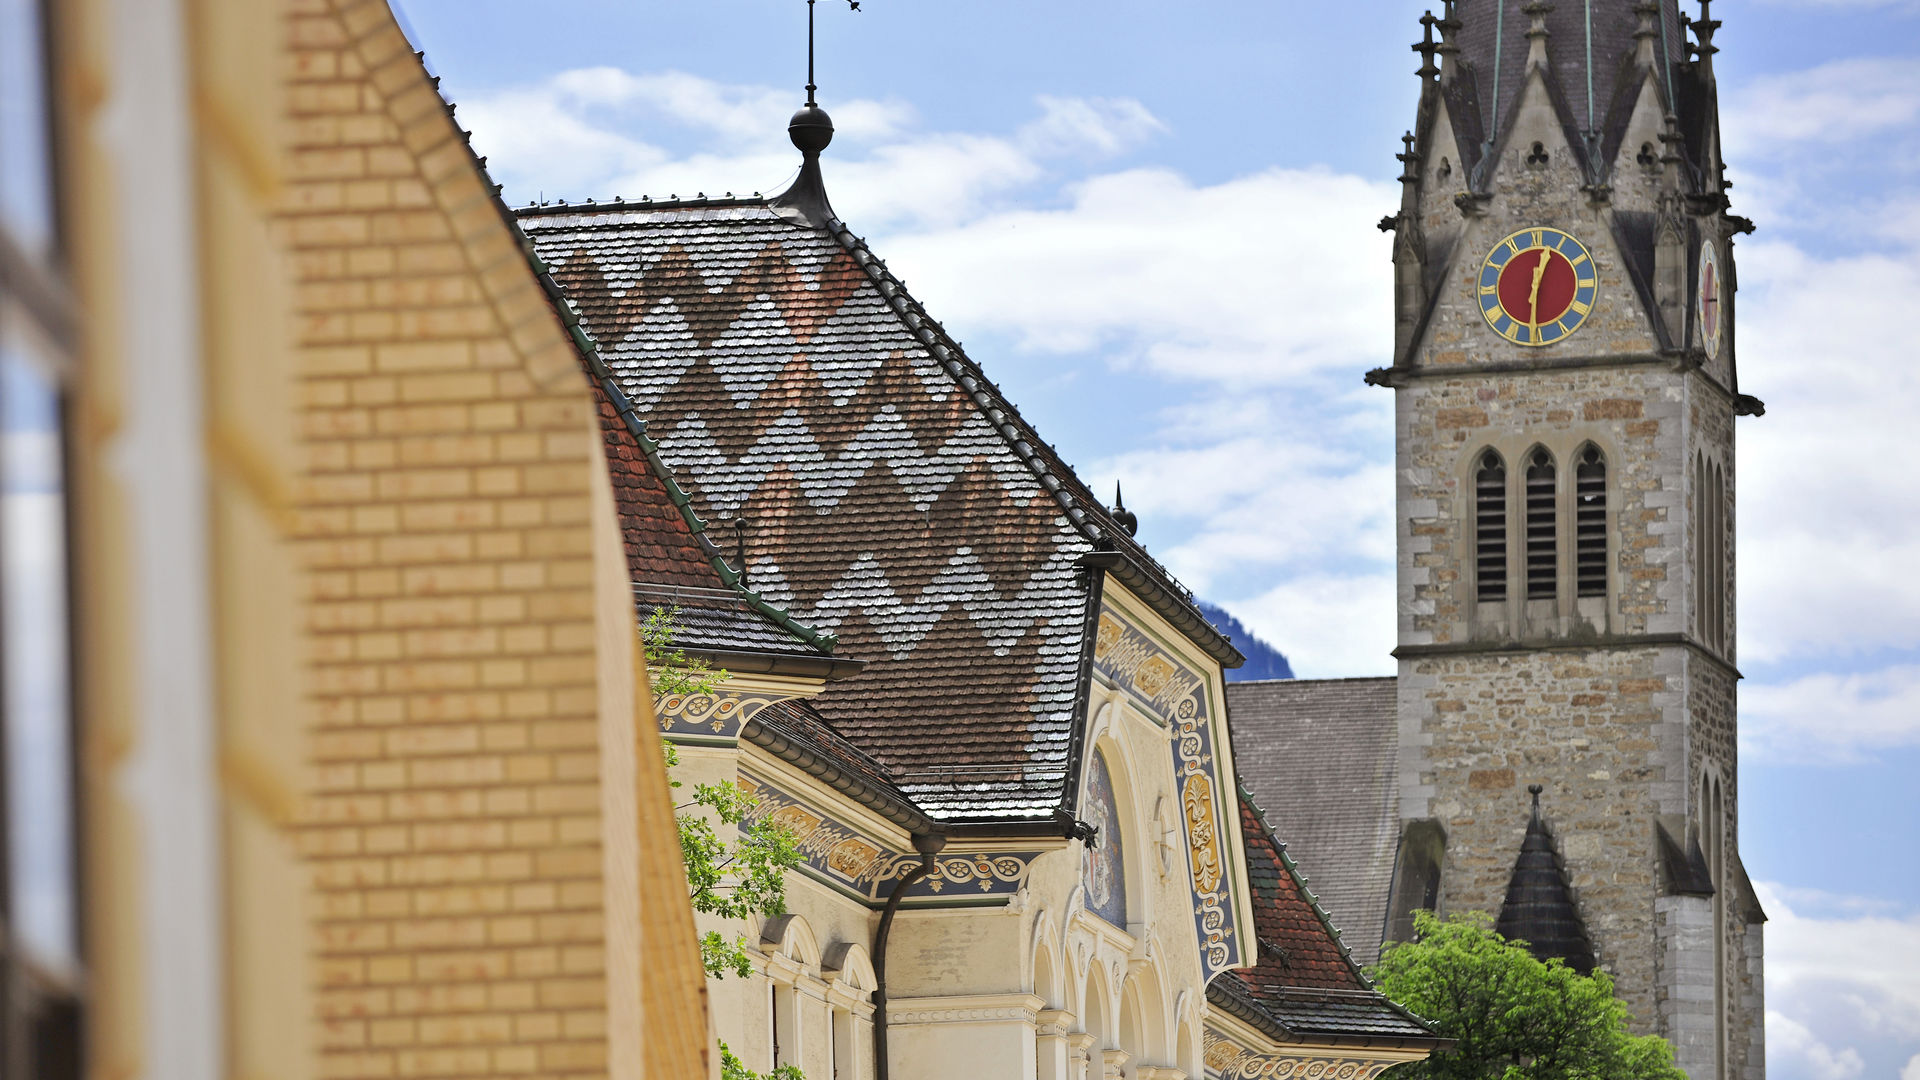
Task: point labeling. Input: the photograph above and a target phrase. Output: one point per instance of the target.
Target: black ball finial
(811, 129)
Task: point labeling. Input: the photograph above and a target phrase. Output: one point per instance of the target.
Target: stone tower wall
(1616, 705)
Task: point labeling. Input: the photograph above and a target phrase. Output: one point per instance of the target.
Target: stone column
(1051, 1032)
(1115, 1062)
(1079, 1054)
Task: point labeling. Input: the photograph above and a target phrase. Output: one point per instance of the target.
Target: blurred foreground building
(326, 745)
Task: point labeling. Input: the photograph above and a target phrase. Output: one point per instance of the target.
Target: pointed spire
(1449, 25)
(1539, 908)
(1409, 159)
(1122, 516)
(1536, 13)
(1426, 48)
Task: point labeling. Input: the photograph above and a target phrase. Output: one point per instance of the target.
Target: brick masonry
(454, 833)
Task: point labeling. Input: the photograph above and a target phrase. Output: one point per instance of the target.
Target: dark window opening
(1537, 158)
(1542, 533)
(1490, 527)
(1646, 157)
(1590, 524)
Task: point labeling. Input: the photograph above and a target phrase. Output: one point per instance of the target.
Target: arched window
(1700, 570)
(1717, 608)
(1543, 556)
(1590, 524)
(1490, 527)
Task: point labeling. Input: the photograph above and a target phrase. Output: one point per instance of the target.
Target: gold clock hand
(1533, 294)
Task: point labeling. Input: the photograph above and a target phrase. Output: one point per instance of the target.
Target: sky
(1153, 225)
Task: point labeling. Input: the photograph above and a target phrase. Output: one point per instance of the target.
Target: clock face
(1537, 286)
(1710, 314)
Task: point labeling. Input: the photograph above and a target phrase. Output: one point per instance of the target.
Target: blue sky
(1153, 224)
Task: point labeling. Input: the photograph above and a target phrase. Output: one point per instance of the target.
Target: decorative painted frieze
(1180, 698)
(1230, 1061)
(840, 855)
(712, 717)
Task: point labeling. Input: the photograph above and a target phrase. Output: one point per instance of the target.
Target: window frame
(41, 1009)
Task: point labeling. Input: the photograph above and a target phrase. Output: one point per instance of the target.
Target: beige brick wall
(455, 834)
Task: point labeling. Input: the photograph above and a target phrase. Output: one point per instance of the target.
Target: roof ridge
(645, 202)
(590, 352)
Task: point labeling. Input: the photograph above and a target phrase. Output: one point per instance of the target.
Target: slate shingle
(1322, 757)
(893, 498)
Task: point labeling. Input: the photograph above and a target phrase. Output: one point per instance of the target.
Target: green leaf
(1511, 1016)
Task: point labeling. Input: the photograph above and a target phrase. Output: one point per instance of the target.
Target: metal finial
(1535, 790)
(1122, 516)
(810, 87)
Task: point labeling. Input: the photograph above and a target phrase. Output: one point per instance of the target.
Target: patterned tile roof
(1322, 755)
(893, 497)
(672, 563)
(1305, 984)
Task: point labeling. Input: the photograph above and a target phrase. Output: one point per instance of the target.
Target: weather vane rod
(852, 5)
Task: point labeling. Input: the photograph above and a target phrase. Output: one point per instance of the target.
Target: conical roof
(1539, 908)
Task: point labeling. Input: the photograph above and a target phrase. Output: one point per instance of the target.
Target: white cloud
(1859, 959)
(1826, 511)
(1832, 717)
(1788, 1038)
(1837, 102)
(1186, 280)
(1912, 1071)
(1327, 626)
(579, 135)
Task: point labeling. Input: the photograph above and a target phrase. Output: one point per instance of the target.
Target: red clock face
(1537, 286)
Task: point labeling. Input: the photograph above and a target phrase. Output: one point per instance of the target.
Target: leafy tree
(731, 879)
(1511, 1016)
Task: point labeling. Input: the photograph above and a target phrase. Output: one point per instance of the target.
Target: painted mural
(715, 717)
(1105, 862)
(837, 854)
(1179, 698)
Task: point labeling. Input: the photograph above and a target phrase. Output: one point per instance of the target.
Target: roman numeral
(1580, 308)
(1539, 238)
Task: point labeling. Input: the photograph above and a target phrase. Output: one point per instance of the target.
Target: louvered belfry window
(1542, 533)
(1590, 523)
(1490, 527)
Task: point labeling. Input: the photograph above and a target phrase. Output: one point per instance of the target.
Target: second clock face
(1537, 286)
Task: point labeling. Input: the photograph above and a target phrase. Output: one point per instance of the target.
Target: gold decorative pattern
(718, 715)
(1178, 697)
(1203, 836)
(836, 853)
(1231, 1061)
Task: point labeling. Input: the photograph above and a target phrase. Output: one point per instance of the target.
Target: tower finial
(811, 130)
(1535, 790)
(1409, 159)
(1703, 28)
(1646, 34)
(1536, 13)
(1449, 25)
(1426, 48)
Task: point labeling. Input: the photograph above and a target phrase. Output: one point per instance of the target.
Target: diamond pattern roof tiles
(892, 497)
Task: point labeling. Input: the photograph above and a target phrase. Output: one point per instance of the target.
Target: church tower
(1565, 396)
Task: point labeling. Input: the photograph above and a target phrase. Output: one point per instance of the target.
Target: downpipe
(926, 844)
